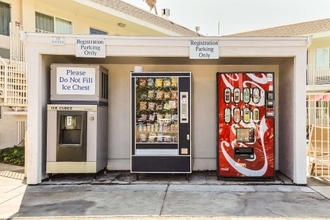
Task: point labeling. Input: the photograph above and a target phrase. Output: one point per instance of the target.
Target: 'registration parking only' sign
(89, 47)
(204, 49)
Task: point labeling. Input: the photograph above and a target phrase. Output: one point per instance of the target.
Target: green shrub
(12, 155)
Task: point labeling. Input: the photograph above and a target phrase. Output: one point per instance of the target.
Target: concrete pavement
(119, 195)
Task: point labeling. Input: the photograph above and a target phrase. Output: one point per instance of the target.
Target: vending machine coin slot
(270, 105)
(244, 153)
(184, 107)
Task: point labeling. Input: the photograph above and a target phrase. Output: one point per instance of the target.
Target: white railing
(13, 75)
(17, 46)
(3, 79)
(318, 134)
(317, 76)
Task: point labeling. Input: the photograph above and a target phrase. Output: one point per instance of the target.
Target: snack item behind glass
(143, 137)
(151, 94)
(142, 82)
(159, 106)
(159, 82)
(174, 94)
(172, 104)
(143, 105)
(144, 117)
(152, 106)
(151, 81)
(174, 82)
(159, 94)
(152, 117)
(167, 82)
(167, 95)
(160, 137)
(152, 137)
(167, 106)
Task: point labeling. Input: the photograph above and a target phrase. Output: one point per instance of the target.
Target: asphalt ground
(120, 195)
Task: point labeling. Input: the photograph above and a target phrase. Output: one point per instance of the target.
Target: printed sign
(58, 40)
(201, 49)
(87, 47)
(75, 81)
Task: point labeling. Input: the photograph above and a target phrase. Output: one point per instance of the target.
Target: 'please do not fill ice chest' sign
(75, 81)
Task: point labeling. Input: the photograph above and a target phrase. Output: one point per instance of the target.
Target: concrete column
(34, 154)
(300, 118)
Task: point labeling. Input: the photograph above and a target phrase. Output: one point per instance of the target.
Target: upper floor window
(96, 31)
(4, 18)
(322, 58)
(46, 23)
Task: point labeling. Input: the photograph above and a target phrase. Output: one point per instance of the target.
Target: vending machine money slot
(270, 104)
(184, 107)
(244, 153)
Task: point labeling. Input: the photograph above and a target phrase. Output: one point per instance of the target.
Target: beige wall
(323, 42)
(204, 116)
(171, 54)
(8, 131)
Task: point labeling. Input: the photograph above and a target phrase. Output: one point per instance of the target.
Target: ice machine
(77, 119)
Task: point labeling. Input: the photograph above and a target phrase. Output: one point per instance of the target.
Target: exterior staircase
(13, 74)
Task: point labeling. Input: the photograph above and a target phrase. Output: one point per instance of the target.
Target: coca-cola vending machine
(245, 124)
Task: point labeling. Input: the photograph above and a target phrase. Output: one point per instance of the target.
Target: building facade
(62, 17)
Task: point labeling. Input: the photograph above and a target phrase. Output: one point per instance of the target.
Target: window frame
(321, 62)
(97, 30)
(54, 18)
(9, 9)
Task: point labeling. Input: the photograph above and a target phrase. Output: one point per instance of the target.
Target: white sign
(87, 47)
(58, 40)
(75, 81)
(204, 49)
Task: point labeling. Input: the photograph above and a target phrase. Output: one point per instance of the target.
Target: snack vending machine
(245, 125)
(161, 123)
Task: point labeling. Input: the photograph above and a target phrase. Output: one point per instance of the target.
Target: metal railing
(317, 76)
(318, 134)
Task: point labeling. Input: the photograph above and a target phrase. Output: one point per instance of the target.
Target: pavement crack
(161, 209)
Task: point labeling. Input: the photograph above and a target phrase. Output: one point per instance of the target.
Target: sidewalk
(119, 195)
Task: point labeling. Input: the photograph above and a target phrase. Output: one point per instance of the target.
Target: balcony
(317, 79)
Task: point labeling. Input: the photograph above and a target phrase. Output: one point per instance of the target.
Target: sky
(221, 17)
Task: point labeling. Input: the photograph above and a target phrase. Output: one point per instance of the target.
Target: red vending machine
(246, 125)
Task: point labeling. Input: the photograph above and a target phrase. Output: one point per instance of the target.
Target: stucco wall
(204, 116)
(8, 130)
(162, 54)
